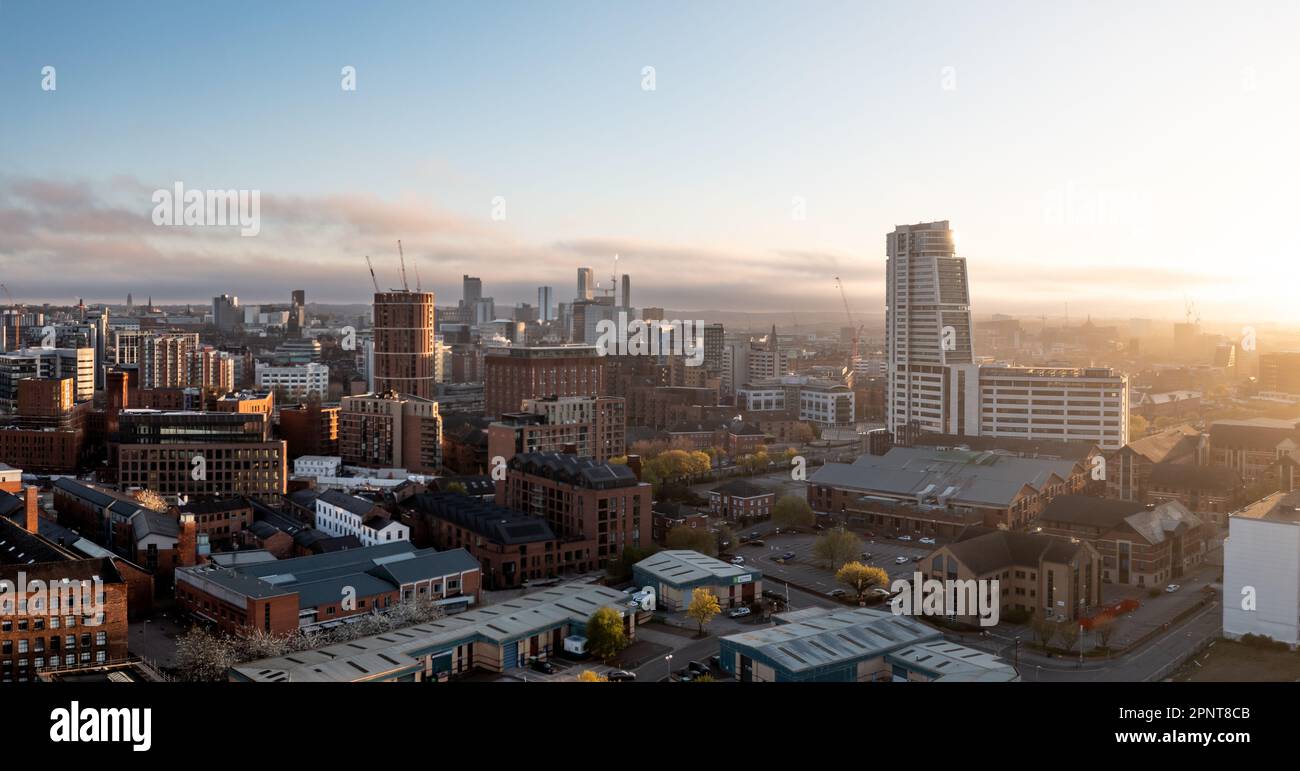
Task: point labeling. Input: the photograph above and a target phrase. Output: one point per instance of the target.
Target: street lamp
(668, 661)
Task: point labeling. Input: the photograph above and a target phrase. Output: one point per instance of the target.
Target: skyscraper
(545, 303)
(927, 322)
(627, 292)
(471, 289)
(297, 311)
(225, 312)
(404, 349)
(586, 284)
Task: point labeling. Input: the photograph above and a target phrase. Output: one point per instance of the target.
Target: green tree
(704, 606)
(861, 578)
(836, 547)
(456, 487)
(693, 539)
(1137, 426)
(605, 634)
(792, 511)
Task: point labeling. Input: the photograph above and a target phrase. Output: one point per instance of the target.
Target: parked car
(740, 612)
(621, 676)
(928, 541)
(837, 593)
(715, 662)
(738, 560)
(753, 534)
(697, 668)
(901, 560)
(865, 556)
(880, 591)
(917, 558)
(905, 538)
(869, 534)
(788, 555)
(1173, 588)
(685, 676)
(539, 665)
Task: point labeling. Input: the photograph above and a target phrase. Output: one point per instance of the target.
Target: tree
(837, 547)
(804, 433)
(456, 487)
(605, 633)
(150, 500)
(1105, 628)
(693, 539)
(704, 606)
(1044, 630)
(702, 678)
(588, 676)
(861, 578)
(1137, 426)
(792, 511)
(204, 657)
(1069, 632)
(726, 538)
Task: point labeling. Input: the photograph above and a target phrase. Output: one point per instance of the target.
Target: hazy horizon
(777, 148)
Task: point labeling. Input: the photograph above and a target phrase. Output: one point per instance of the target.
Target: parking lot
(806, 571)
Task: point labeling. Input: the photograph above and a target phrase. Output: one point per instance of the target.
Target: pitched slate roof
(1170, 444)
(496, 523)
(1189, 477)
(741, 488)
(999, 549)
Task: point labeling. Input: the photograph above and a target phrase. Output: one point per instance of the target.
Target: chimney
(187, 545)
(32, 521)
(634, 463)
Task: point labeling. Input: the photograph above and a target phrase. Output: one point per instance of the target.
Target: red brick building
(282, 596)
(511, 375)
(581, 499)
(511, 547)
(740, 499)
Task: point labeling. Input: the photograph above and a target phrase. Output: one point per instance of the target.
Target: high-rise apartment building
(404, 349)
(933, 382)
(46, 363)
(1279, 372)
(165, 359)
(927, 321)
(391, 430)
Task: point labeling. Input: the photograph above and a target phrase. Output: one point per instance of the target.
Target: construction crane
(857, 330)
(417, 275)
(402, 258)
(373, 280)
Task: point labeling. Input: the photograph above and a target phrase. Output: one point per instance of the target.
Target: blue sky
(1112, 157)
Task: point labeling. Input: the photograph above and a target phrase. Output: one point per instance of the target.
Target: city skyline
(1119, 186)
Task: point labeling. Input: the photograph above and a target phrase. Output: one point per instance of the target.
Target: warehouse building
(676, 573)
(496, 638)
(859, 645)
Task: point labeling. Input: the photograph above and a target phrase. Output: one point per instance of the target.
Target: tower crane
(857, 329)
(373, 280)
(402, 257)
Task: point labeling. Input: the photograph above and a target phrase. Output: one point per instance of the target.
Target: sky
(1122, 158)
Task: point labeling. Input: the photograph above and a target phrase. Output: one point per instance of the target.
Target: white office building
(933, 382)
(340, 514)
(1261, 570)
(317, 465)
(298, 380)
